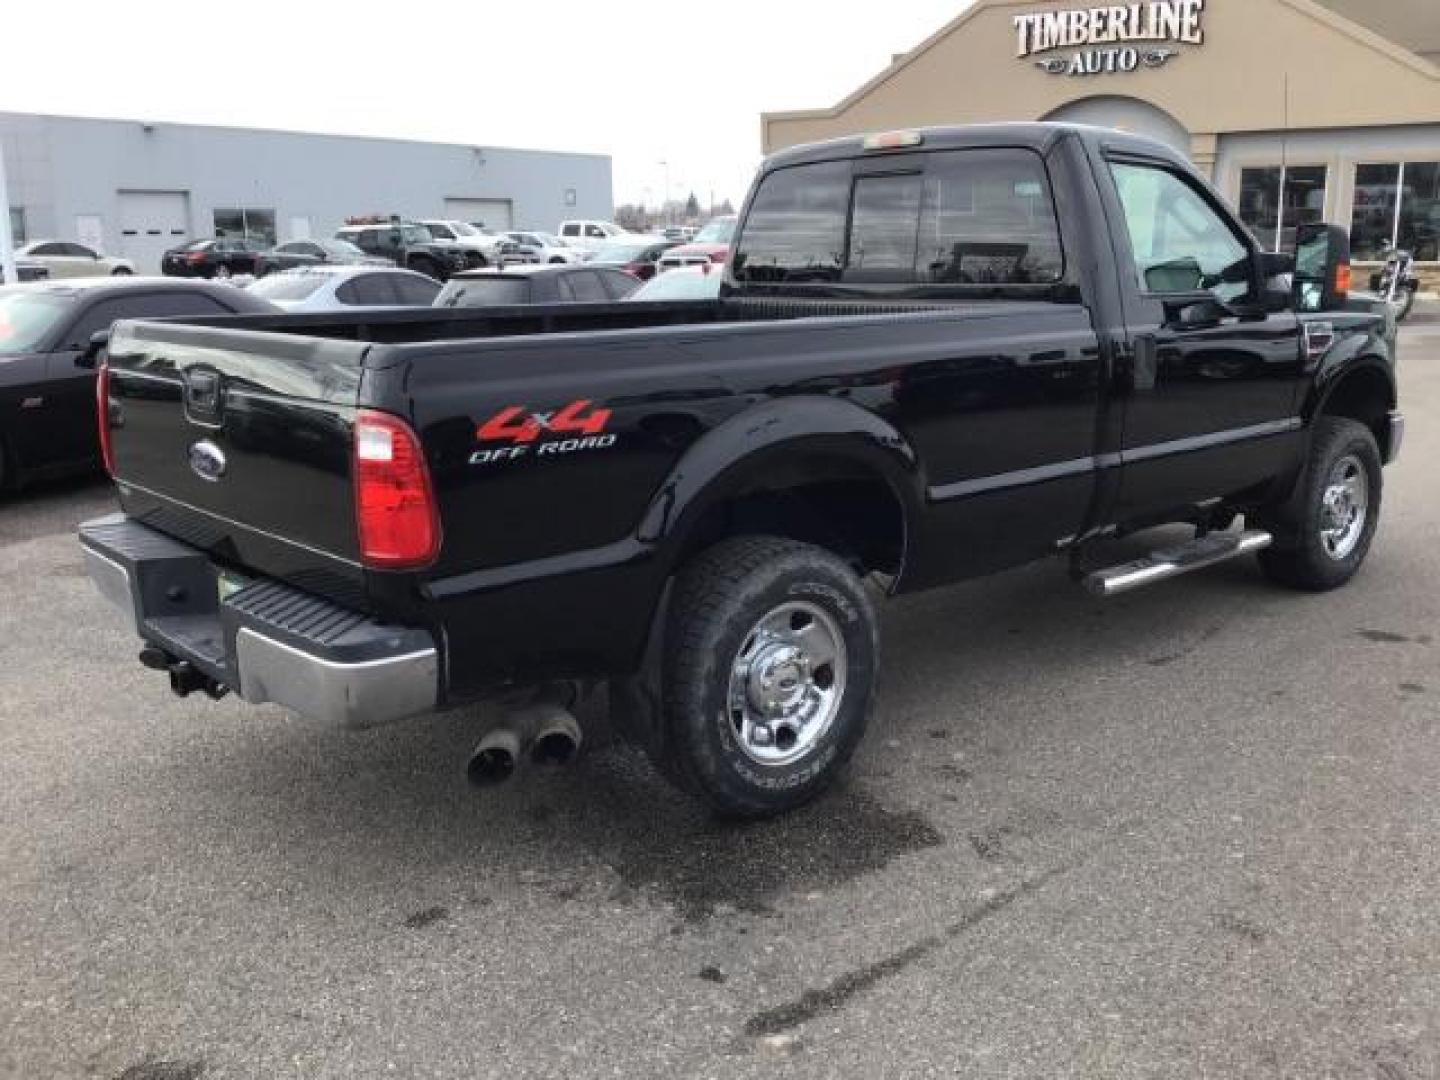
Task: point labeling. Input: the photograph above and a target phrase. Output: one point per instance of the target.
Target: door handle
(1146, 363)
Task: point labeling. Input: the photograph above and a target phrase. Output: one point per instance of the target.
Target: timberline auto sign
(1137, 35)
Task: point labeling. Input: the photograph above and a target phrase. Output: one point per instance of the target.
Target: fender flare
(732, 457)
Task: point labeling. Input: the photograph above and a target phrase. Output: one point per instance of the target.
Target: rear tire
(1406, 306)
(428, 267)
(769, 673)
(1324, 530)
(121, 271)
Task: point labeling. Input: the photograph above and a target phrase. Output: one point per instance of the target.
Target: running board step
(1171, 562)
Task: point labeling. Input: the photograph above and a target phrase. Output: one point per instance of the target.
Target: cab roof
(1040, 136)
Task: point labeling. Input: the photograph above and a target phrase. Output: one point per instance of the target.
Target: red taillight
(394, 503)
(635, 269)
(102, 417)
(195, 258)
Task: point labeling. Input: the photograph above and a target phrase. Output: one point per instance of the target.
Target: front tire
(121, 271)
(1324, 530)
(769, 674)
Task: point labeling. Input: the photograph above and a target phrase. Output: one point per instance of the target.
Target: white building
(135, 188)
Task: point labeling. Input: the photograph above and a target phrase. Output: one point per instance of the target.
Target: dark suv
(410, 246)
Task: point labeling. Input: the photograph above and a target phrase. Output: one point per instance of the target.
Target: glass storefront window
(249, 224)
(1419, 231)
(1397, 204)
(1304, 202)
(17, 225)
(1372, 219)
(1276, 200)
(1260, 203)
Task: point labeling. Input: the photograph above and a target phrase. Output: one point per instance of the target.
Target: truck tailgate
(239, 443)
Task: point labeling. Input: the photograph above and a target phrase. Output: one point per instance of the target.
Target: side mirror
(1322, 268)
(91, 356)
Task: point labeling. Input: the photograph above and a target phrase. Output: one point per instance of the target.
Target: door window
(147, 306)
(48, 249)
(368, 290)
(1179, 241)
(617, 283)
(414, 289)
(585, 287)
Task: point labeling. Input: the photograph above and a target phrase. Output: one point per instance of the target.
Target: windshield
(464, 229)
(718, 230)
(483, 292)
(198, 245)
(27, 318)
(341, 247)
(680, 285)
(288, 286)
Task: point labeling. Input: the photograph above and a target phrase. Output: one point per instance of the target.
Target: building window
(249, 224)
(17, 225)
(1277, 200)
(1396, 204)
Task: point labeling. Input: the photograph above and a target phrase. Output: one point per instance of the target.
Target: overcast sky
(643, 80)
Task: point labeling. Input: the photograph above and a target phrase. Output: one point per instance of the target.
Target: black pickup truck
(936, 354)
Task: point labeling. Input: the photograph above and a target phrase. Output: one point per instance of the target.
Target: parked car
(679, 233)
(635, 254)
(482, 247)
(322, 252)
(27, 271)
(218, 257)
(684, 283)
(65, 259)
(536, 284)
(344, 288)
(587, 236)
(701, 503)
(407, 245)
(546, 247)
(47, 394)
(710, 245)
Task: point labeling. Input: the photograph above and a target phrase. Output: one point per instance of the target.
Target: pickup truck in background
(936, 354)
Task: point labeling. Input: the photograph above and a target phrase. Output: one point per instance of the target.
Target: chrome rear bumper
(267, 641)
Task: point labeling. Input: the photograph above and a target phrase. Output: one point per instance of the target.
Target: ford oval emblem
(207, 460)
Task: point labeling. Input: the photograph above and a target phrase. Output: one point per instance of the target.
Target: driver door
(1208, 407)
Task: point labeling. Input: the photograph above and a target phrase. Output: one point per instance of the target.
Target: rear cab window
(981, 217)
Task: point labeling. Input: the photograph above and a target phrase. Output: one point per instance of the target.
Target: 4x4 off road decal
(523, 432)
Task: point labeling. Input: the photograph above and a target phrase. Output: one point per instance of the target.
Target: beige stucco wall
(1339, 75)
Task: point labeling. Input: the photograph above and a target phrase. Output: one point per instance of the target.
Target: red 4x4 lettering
(515, 425)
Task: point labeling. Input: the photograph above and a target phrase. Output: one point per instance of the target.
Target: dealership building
(1298, 110)
(135, 188)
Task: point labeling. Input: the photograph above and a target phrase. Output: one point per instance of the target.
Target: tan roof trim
(1335, 21)
(1365, 36)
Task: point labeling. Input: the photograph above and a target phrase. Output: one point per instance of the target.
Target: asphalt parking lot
(1191, 832)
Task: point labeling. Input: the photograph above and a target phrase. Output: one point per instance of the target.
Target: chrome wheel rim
(1344, 507)
(786, 683)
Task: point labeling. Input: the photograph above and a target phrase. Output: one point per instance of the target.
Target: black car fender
(1360, 354)
(782, 441)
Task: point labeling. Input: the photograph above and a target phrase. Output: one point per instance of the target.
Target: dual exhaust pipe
(545, 735)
